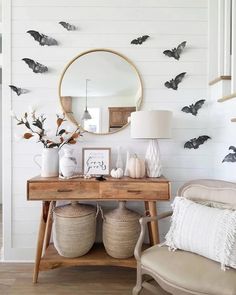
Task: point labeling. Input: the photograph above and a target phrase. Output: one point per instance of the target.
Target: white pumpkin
(136, 167)
(117, 173)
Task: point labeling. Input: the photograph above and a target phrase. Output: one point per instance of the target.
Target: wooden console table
(50, 190)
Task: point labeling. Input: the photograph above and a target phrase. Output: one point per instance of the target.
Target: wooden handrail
(214, 81)
(227, 97)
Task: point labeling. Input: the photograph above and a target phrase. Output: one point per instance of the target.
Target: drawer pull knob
(64, 190)
(134, 191)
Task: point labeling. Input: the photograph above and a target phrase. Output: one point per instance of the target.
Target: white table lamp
(152, 125)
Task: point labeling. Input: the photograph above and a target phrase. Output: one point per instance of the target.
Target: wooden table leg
(153, 230)
(41, 236)
(49, 223)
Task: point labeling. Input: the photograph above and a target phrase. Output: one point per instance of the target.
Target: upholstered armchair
(182, 272)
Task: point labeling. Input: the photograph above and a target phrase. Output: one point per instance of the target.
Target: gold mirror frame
(69, 115)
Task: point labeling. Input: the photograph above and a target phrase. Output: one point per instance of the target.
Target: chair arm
(143, 222)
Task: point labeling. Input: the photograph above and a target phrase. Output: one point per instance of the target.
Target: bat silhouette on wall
(173, 83)
(68, 26)
(18, 90)
(175, 52)
(231, 157)
(35, 66)
(194, 108)
(194, 143)
(139, 40)
(42, 39)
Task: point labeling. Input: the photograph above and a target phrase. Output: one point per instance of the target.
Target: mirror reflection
(99, 89)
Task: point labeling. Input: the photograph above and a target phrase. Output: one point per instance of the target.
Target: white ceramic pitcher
(50, 162)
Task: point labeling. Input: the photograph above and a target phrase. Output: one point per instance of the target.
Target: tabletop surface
(161, 179)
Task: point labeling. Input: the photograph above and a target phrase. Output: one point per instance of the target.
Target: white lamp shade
(151, 124)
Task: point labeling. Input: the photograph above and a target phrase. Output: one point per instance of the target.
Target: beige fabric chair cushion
(210, 190)
(190, 271)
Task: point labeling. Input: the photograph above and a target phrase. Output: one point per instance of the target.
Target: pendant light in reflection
(86, 115)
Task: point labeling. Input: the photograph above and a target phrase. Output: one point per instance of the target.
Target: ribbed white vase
(152, 159)
(126, 173)
(119, 161)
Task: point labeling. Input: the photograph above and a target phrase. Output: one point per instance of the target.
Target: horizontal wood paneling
(111, 14)
(223, 132)
(112, 3)
(146, 53)
(154, 82)
(145, 67)
(127, 27)
(169, 161)
(111, 24)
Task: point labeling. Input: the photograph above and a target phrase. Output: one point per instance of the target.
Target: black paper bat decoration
(139, 40)
(231, 157)
(194, 108)
(42, 39)
(68, 26)
(194, 143)
(18, 90)
(173, 83)
(175, 52)
(35, 66)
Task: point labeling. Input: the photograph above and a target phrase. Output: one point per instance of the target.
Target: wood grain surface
(49, 190)
(16, 279)
(39, 188)
(96, 256)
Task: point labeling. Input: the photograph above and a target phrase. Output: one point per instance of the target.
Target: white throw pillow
(207, 231)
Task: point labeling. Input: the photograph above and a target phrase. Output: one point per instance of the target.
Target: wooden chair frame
(141, 270)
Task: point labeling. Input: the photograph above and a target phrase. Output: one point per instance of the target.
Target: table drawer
(135, 190)
(62, 190)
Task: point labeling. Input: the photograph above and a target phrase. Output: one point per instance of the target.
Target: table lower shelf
(96, 256)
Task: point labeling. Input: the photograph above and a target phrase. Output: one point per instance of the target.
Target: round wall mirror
(99, 89)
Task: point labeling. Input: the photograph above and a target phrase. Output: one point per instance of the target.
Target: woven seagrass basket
(121, 230)
(74, 229)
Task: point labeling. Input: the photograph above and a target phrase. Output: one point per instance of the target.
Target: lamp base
(152, 159)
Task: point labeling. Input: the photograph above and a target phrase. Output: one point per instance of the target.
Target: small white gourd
(117, 173)
(136, 167)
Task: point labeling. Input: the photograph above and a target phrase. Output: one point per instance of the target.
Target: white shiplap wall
(223, 132)
(108, 24)
(220, 63)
